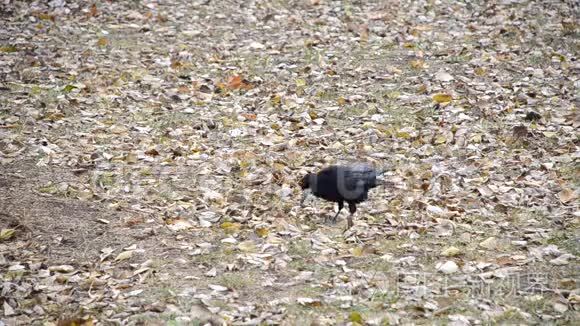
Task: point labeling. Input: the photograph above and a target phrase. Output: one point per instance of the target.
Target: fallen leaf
(479, 71)
(442, 98)
(237, 82)
(356, 251)
(443, 76)
(93, 12)
(8, 310)
(355, 317)
(520, 131)
(124, 255)
(61, 268)
(562, 259)
(6, 234)
(262, 232)
(309, 302)
(75, 322)
(489, 243)
(140, 270)
(231, 227)
(218, 288)
(566, 196)
(152, 152)
(178, 225)
(8, 49)
(68, 88)
(211, 273)
(448, 267)
(451, 252)
(249, 116)
(102, 41)
(417, 64)
(247, 246)
(560, 307)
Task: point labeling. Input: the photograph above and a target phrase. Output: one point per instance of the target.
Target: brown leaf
(262, 232)
(249, 116)
(520, 131)
(46, 16)
(417, 64)
(102, 41)
(364, 33)
(505, 261)
(237, 82)
(176, 64)
(93, 12)
(75, 322)
(152, 152)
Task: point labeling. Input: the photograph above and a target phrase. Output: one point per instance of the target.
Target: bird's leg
(305, 195)
(352, 209)
(340, 207)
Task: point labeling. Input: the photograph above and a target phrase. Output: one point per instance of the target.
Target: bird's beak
(304, 196)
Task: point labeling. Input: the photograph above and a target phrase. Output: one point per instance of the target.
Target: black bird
(341, 184)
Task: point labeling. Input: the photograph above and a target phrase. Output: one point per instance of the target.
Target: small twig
(15, 175)
(442, 310)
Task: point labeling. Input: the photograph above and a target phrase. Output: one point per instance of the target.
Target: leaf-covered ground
(150, 153)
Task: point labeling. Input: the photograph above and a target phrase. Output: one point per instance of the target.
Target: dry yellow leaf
(54, 116)
(131, 158)
(364, 33)
(403, 135)
(441, 139)
(356, 318)
(278, 166)
(480, 71)
(102, 42)
(6, 234)
(442, 98)
(45, 16)
(231, 227)
(357, 251)
(417, 64)
(451, 252)
(8, 49)
(422, 89)
(276, 100)
(262, 232)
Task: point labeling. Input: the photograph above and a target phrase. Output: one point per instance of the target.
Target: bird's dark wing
(359, 175)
